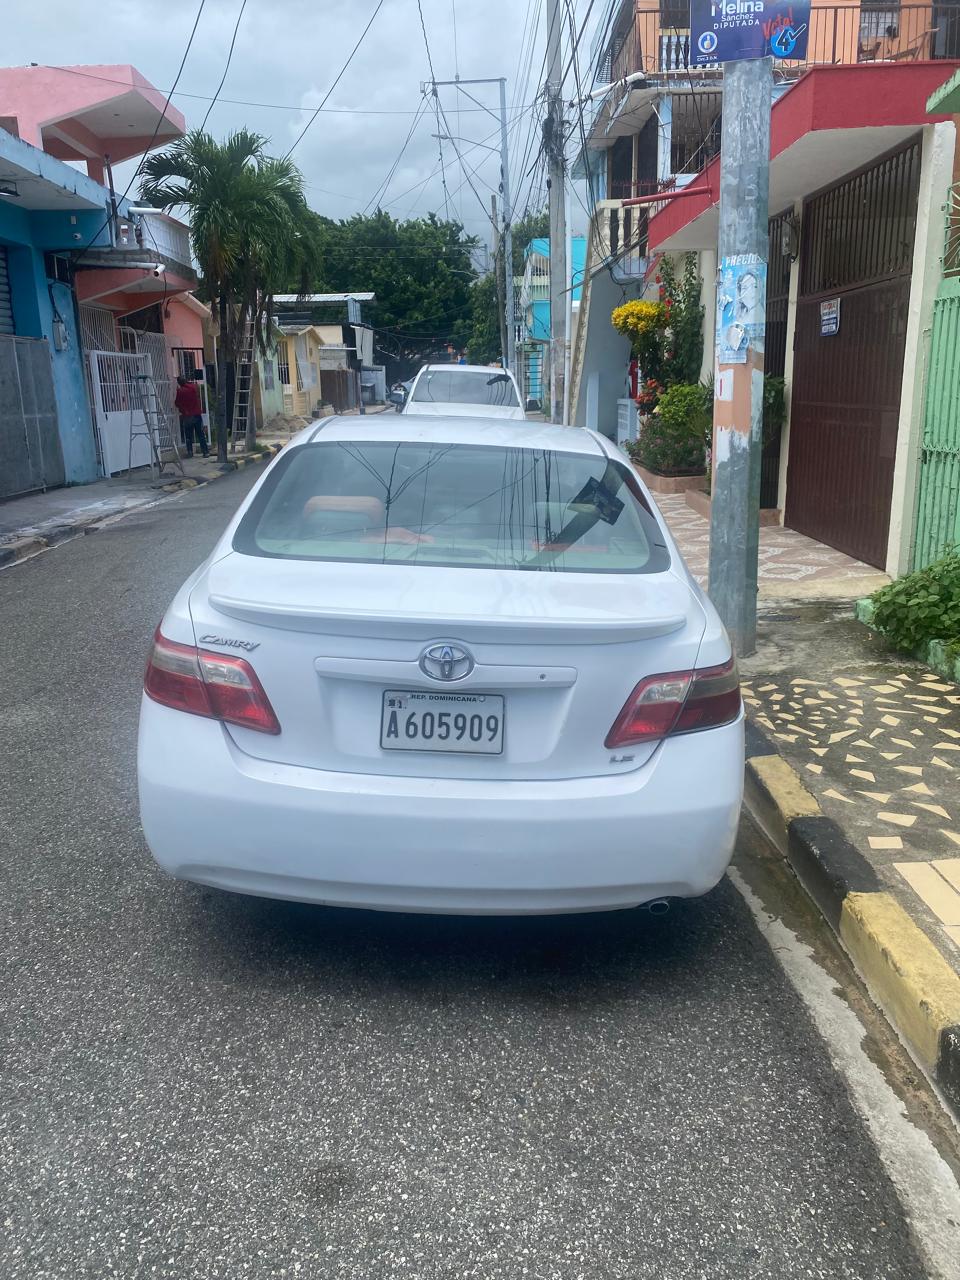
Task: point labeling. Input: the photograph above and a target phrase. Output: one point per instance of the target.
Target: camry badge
(248, 645)
(446, 662)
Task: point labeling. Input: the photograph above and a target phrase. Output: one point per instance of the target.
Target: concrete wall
(606, 357)
(182, 326)
(269, 401)
(34, 302)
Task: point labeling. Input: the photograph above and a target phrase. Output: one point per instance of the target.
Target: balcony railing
(168, 238)
(620, 238)
(839, 33)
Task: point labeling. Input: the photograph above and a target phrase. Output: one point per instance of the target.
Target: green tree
(483, 345)
(250, 229)
(683, 355)
(420, 270)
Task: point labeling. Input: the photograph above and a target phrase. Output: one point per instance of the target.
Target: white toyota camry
(444, 665)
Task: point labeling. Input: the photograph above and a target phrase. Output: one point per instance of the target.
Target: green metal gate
(938, 504)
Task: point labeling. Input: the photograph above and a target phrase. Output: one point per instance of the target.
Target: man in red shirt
(187, 401)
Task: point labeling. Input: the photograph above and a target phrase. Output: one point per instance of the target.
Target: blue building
(535, 311)
(72, 256)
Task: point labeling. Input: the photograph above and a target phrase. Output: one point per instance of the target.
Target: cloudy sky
(286, 56)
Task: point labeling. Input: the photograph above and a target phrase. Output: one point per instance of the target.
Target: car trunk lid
(329, 641)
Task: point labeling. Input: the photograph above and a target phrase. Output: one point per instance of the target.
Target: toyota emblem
(446, 662)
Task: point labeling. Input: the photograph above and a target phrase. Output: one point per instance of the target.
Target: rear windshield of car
(478, 506)
(460, 386)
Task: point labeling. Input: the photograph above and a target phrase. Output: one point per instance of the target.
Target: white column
(788, 363)
(708, 300)
(936, 175)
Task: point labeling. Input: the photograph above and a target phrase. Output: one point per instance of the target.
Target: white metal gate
(117, 380)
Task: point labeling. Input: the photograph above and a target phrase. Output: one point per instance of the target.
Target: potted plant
(672, 439)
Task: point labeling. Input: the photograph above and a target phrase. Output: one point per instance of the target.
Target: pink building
(64, 230)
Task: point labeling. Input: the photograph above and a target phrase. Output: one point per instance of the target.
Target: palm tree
(250, 229)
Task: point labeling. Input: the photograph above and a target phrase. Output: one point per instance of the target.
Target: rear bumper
(403, 844)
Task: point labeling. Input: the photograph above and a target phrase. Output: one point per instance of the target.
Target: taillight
(207, 684)
(678, 702)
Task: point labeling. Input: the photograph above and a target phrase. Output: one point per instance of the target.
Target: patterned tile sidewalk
(877, 741)
(790, 564)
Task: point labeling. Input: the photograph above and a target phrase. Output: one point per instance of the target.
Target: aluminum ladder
(243, 383)
(156, 429)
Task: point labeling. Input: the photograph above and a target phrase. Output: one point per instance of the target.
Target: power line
(443, 170)
(523, 44)
(423, 28)
(223, 78)
(463, 166)
(160, 120)
(271, 106)
(575, 39)
(456, 73)
(384, 186)
(340, 76)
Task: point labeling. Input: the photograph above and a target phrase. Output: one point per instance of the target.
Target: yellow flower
(636, 319)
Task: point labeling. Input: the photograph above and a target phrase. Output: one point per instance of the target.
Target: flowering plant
(639, 319)
(648, 394)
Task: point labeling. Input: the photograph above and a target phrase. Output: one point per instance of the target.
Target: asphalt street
(201, 1086)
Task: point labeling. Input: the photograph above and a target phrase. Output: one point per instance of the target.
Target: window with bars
(863, 228)
(283, 363)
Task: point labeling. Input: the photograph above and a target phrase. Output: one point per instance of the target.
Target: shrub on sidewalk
(921, 606)
(672, 438)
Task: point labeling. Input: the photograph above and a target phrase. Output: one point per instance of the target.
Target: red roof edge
(834, 97)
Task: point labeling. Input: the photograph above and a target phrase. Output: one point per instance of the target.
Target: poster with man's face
(740, 307)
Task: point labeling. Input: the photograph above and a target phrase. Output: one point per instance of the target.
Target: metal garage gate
(30, 453)
(6, 302)
(856, 257)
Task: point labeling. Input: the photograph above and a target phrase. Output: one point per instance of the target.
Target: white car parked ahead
(471, 390)
(447, 666)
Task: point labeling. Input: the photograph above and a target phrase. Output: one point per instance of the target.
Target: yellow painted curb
(903, 969)
(789, 795)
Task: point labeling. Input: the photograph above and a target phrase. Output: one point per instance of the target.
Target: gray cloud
(288, 52)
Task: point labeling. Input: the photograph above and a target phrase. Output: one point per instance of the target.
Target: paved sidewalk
(876, 738)
(39, 520)
(854, 769)
(791, 565)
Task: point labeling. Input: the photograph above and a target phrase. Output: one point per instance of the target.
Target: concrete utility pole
(741, 318)
(505, 240)
(498, 279)
(510, 351)
(556, 176)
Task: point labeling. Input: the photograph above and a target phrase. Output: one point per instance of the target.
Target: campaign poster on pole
(740, 307)
(735, 30)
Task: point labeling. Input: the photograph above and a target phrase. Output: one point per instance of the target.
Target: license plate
(460, 722)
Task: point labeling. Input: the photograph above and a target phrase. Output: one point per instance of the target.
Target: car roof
(463, 368)
(441, 429)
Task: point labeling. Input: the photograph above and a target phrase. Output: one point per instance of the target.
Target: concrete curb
(904, 972)
(32, 544)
